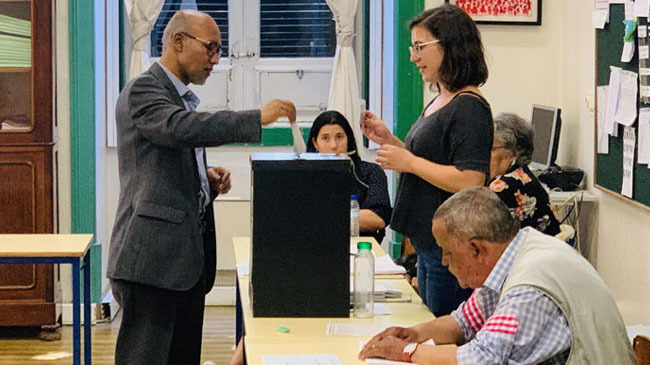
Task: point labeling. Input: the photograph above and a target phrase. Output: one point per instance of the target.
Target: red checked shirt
(523, 327)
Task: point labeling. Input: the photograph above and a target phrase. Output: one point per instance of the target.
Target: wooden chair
(642, 349)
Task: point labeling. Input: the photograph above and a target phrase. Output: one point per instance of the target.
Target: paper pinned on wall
(626, 109)
(641, 8)
(629, 140)
(644, 52)
(599, 18)
(629, 9)
(643, 156)
(600, 15)
(603, 137)
(611, 127)
(628, 52)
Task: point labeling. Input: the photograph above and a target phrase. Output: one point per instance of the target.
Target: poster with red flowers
(516, 12)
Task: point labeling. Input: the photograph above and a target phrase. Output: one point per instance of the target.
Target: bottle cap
(353, 197)
(364, 245)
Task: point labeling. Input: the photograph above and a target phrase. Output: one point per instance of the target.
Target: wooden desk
(57, 249)
(308, 335)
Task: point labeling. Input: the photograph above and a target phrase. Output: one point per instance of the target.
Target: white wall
(62, 70)
(554, 65)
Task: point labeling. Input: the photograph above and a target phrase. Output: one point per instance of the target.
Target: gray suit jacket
(157, 238)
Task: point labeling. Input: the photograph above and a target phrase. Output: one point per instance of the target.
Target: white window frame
(380, 66)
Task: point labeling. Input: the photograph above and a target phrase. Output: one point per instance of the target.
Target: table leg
(239, 319)
(76, 315)
(87, 320)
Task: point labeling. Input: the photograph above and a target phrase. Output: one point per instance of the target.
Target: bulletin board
(609, 167)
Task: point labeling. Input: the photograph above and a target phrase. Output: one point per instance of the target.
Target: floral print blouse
(526, 198)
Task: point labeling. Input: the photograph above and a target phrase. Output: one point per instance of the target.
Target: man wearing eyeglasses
(162, 258)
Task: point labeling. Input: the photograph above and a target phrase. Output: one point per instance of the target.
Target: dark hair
(516, 135)
(328, 118)
(463, 63)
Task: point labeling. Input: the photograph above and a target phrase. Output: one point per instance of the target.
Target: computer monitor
(546, 122)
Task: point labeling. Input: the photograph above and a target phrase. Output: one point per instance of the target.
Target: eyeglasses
(417, 48)
(213, 48)
(494, 148)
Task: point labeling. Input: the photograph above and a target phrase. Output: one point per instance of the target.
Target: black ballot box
(300, 239)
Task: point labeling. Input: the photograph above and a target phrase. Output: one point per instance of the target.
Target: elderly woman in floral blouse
(513, 181)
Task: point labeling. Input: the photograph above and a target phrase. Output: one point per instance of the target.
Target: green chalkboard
(609, 167)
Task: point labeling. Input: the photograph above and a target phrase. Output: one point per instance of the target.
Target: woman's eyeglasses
(417, 48)
(213, 48)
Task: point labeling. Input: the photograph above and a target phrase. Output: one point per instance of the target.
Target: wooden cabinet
(28, 157)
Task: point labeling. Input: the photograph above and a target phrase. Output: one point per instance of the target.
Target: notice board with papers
(609, 166)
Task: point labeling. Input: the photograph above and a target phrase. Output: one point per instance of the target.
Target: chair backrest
(642, 349)
(567, 234)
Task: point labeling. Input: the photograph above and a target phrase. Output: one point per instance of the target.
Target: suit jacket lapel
(160, 74)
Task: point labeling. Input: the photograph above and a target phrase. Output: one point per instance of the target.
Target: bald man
(162, 258)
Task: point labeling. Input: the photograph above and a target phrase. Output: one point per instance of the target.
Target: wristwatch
(409, 350)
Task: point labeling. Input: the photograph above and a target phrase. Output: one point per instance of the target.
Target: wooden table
(58, 249)
(308, 335)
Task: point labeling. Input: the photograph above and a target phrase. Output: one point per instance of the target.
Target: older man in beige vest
(536, 300)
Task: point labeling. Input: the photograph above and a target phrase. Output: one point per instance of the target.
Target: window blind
(296, 28)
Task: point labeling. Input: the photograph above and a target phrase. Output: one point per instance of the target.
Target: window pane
(296, 28)
(217, 9)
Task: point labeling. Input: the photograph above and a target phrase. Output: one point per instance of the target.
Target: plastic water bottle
(364, 281)
(354, 216)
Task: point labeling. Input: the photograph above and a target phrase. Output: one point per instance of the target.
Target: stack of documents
(384, 265)
(15, 42)
(383, 291)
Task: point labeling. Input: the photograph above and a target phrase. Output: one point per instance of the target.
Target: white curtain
(344, 89)
(142, 16)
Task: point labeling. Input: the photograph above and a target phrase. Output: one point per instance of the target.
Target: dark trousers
(159, 326)
(438, 287)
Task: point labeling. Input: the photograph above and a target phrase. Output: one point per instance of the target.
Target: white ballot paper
(603, 137)
(629, 139)
(318, 359)
(626, 110)
(611, 127)
(298, 143)
(644, 136)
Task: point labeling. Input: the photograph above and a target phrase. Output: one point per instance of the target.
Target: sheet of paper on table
(317, 359)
